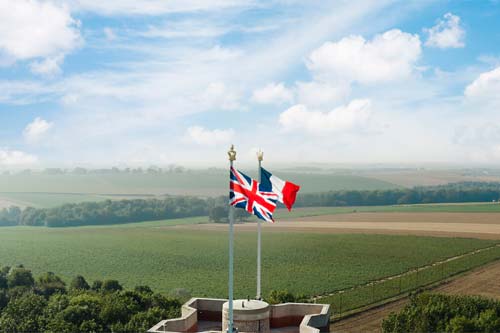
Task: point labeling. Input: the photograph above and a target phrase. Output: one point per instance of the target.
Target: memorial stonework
(249, 316)
(252, 316)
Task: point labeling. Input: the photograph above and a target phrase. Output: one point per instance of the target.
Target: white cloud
(343, 118)
(447, 33)
(109, 33)
(32, 29)
(48, 67)
(206, 137)
(153, 7)
(13, 158)
(318, 94)
(387, 57)
(273, 93)
(185, 29)
(36, 130)
(218, 95)
(486, 87)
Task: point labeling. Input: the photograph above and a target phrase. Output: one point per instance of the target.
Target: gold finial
(232, 153)
(260, 155)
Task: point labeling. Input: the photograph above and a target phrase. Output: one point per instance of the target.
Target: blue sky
(142, 82)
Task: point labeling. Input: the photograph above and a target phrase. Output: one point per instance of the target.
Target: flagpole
(232, 158)
(260, 157)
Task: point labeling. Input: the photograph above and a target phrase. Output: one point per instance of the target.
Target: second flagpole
(230, 328)
(260, 157)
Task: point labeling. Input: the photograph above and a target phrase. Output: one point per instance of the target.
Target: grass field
(168, 258)
(436, 208)
(42, 190)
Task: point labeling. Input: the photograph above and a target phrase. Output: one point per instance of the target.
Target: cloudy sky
(141, 82)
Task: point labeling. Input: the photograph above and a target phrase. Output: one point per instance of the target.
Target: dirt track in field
(474, 225)
(482, 281)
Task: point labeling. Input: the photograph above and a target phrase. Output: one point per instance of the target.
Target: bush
(20, 277)
(111, 285)
(49, 284)
(283, 296)
(443, 313)
(44, 307)
(79, 283)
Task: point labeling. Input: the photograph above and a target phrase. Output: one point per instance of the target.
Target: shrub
(444, 313)
(79, 283)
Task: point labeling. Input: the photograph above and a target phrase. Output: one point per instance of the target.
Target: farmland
(419, 208)
(168, 258)
(42, 190)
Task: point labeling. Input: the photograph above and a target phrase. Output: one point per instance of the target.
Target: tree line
(127, 211)
(108, 212)
(46, 304)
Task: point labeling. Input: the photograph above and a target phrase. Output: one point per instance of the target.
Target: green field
(364, 295)
(167, 258)
(421, 208)
(42, 190)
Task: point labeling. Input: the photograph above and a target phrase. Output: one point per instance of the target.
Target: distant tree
(111, 285)
(96, 285)
(20, 277)
(5, 270)
(49, 283)
(79, 283)
(143, 290)
(3, 282)
(4, 299)
(218, 214)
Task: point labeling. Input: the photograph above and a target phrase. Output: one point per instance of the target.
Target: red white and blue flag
(248, 194)
(286, 191)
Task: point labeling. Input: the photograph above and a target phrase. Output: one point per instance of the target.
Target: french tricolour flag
(286, 191)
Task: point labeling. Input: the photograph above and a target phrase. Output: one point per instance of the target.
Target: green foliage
(20, 277)
(23, 314)
(96, 285)
(284, 296)
(82, 310)
(111, 285)
(49, 283)
(79, 283)
(3, 282)
(280, 296)
(220, 214)
(445, 313)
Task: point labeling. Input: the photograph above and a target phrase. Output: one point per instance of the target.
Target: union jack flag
(247, 193)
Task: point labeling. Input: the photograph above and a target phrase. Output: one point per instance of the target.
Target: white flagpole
(232, 158)
(260, 157)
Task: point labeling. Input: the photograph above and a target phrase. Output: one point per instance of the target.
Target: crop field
(167, 258)
(47, 200)
(41, 190)
(418, 208)
(414, 177)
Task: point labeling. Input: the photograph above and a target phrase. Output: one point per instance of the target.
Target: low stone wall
(310, 318)
(196, 309)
